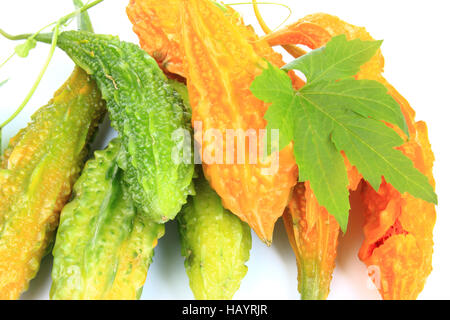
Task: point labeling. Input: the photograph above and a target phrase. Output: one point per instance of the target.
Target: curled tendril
(261, 21)
(291, 49)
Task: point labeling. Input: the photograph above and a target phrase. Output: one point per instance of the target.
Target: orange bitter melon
(398, 244)
(398, 230)
(157, 25)
(313, 235)
(220, 57)
(37, 173)
(312, 231)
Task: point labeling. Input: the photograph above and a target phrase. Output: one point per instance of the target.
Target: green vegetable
(328, 116)
(104, 246)
(183, 92)
(146, 111)
(216, 245)
(37, 172)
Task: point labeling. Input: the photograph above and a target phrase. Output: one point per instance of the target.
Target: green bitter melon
(146, 111)
(104, 245)
(216, 245)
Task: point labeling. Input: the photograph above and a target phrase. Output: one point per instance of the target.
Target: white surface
(416, 49)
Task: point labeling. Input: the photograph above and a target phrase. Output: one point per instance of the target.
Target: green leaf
(334, 113)
(366, 97)
(339, 59)
(22, 50)
(274, 86)
(3, 82)
(369, 145)
(320, 163)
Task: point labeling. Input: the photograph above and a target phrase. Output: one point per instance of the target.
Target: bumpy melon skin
(216, 245)
(220, 57)
(398, 228)
(147, 112)
(104, 245)
(37, 173)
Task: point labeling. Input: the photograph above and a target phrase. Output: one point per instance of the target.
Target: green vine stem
(48, 38)
(84, 22)
(36, 83)
(7, 59)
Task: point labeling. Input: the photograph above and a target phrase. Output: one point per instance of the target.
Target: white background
(416, 48)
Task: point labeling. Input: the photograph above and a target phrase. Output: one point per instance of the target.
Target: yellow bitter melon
(38, 170)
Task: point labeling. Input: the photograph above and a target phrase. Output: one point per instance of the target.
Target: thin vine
(261, 22)
(291, 49)
(29, 44)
